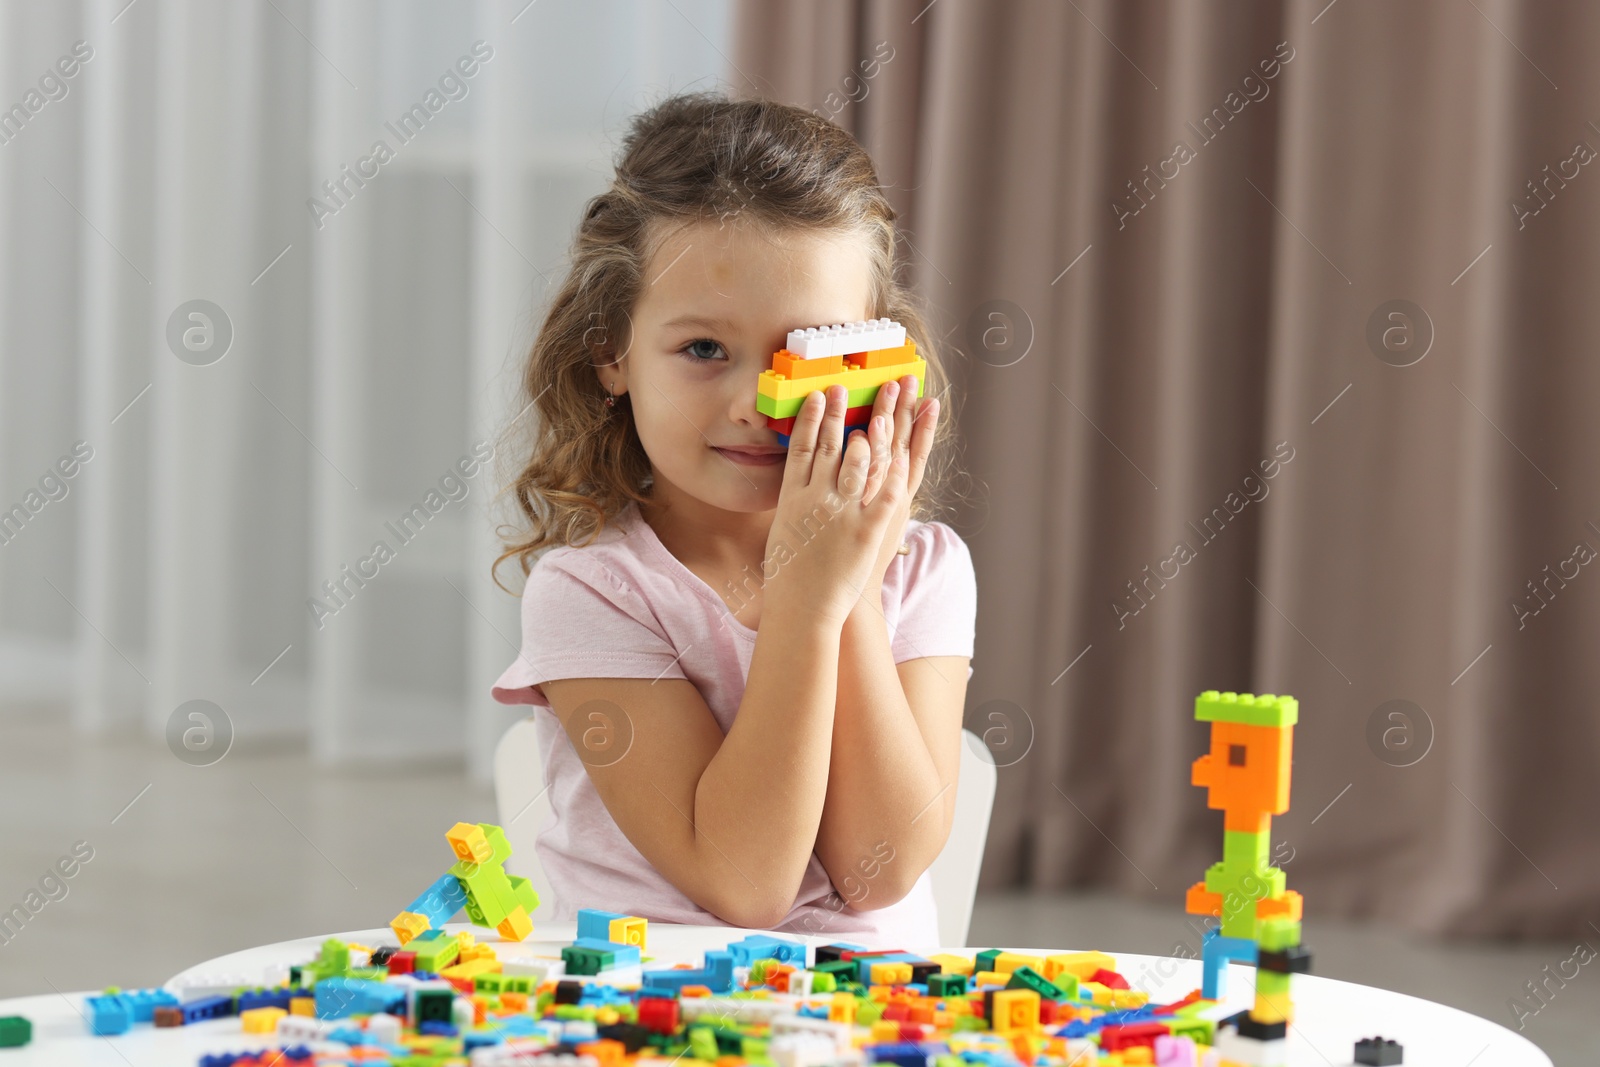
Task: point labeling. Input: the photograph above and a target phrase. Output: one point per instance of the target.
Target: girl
(758, 657)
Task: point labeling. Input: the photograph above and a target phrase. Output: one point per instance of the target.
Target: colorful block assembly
(861, 356)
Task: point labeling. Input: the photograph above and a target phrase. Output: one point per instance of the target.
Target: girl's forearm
(759, 802)
(883, 784)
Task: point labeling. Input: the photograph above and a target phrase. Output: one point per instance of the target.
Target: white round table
(1330, 1016)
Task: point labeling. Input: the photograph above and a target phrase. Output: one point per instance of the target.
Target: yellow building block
(1007, 962)
(953, 964)
(891, 973)
(1081, 965)
(630, 931)
(990, 978)
(1272, 1008)
(303, 1006)
(1015, 1009)
(469, 843)
(261, 1020)
(516, 926)
(781, 388)
(885, 1030)
(842, 1008)
(1098, 994)
(471, 968)
(409, 924)
(1129, 998)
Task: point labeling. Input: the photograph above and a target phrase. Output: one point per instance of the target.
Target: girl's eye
(701, 350)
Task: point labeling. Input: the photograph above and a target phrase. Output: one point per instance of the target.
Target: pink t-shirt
(624, 606)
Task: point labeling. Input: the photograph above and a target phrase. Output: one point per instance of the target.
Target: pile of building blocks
(440, 998)
(861, 356)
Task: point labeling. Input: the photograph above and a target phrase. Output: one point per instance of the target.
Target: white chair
(524, 805)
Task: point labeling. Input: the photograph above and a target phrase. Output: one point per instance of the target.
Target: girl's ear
(613, 379)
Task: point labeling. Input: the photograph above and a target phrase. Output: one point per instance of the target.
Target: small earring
(611, 399)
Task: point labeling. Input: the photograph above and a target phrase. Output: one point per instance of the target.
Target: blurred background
(1266, 324)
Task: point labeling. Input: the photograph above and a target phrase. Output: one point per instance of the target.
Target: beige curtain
(1211, 450)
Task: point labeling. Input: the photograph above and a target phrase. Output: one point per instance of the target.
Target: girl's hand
(827, 534)
(902, 425)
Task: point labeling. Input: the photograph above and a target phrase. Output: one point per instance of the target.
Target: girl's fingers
(830, 434)
(878, 464)
(926, 422)
(803, 442)
(853, 469)
(903, 413)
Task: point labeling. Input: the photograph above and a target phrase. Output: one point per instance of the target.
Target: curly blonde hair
(693, 157)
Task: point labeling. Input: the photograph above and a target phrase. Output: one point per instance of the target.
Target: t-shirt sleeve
(583, 621)
(938, 596)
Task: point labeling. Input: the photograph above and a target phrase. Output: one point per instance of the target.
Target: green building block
(823, 982)
(1203, 1031)
(436, 953)
(1278, 934)
(15, 1031)
(1272, 984)
(434, 1005)
(947, 985)
(985, 960)
(334, 957)
(586, 961)
(1028, 978)
(868, 1012)
(703, 1043)
(1263, 710)
(1242, 850)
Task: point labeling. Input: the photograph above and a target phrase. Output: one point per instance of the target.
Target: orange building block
(1246, 773)
(789, 365)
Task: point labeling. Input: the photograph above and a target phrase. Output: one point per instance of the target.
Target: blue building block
(142, 1003)
(597, 924)
(763, 947)
(440, 901)
(249, 999)
(109, 1015)
(716, 975)
(207, 1008)
(1216, 953)
(338, 998)
(621, 955)
(907, 1053)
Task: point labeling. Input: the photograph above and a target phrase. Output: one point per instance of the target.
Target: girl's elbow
(753, 911)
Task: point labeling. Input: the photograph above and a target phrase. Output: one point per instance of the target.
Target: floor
(188, 862)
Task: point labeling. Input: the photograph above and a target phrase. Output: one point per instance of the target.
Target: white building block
(820, 342)
(384, 1028)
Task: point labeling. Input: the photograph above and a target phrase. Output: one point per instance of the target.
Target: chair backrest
(524, 804)
(955, 873)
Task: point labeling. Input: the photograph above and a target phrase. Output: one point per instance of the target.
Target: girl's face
(717, 302)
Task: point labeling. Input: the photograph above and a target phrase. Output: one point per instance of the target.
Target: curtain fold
(1305, 406)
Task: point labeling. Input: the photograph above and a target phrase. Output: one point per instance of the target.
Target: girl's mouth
(754, 459)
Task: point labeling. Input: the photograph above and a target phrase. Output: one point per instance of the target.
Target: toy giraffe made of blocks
(1246, 775)
(477, 882)
(861, 356)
